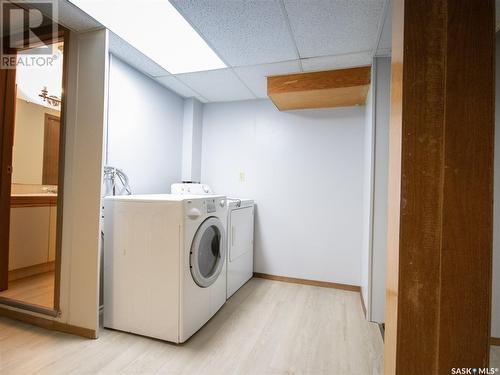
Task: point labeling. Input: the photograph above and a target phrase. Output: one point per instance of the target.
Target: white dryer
(240, 228)
(164, 264)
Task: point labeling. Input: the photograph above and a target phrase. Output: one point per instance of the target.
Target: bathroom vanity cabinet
(32, 230)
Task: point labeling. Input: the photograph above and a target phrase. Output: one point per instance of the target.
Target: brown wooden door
(50, 174)
(7, 116)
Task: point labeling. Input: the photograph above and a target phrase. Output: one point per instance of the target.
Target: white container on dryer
(165, 263)
(240, 233)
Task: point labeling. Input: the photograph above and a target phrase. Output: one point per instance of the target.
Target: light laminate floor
(495, 357)
(35, 290)
(267, 327)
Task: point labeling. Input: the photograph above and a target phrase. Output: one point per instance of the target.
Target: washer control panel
(210, 203)
(196, 208)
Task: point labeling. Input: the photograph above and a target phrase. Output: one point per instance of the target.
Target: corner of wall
(191, 140)
(366, 252)
(86, 107)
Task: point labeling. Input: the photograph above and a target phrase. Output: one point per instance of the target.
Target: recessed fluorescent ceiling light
(156, 29)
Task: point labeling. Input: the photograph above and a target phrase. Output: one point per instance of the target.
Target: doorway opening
(32, 177)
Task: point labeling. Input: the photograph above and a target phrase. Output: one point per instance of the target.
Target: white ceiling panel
(177, 86)
(242, 32)
(337, 62)
(255, 77)
(74, 18)
(217, 85)
(67, 15)
(127, 53)
(385, 42)
(334, 27)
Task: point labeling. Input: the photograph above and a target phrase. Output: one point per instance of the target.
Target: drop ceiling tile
(177, 86)
(72, 17)
(385, 42)
(242, 32)
(67, 15)
(336, 62)
(217, 85)
(255, 76)
(334, 27)
(127, 53)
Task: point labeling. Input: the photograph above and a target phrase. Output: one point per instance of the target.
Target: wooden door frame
(440, 225)
(7, 116)
(7, 131)
(60, 186)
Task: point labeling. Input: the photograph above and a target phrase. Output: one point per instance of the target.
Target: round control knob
(194, 213)
(222, 203)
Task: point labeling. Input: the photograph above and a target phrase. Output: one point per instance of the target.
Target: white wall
(382, 104)
(144, 130)
(191, 140)
(495, 315)
(375, 195)
(305, 171)
(368, 169)
(85, 123)
(27, 154)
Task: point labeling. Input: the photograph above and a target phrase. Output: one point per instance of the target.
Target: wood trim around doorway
(47, 323)
(62, 161)
(7, 115)
(7, 118)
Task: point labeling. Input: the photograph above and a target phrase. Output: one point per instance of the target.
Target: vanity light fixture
(52, 100)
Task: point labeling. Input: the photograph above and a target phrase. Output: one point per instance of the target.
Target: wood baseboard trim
(37, 269)
(17, 304)
(495, 341)
(293, 280)
(50, 324)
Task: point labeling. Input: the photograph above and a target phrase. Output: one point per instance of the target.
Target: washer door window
(208, 252)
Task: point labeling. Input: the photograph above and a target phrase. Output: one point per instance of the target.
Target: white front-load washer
(240, 234)
(164, 263)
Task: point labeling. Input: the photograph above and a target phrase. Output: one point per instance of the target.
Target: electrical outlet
(242, 176)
